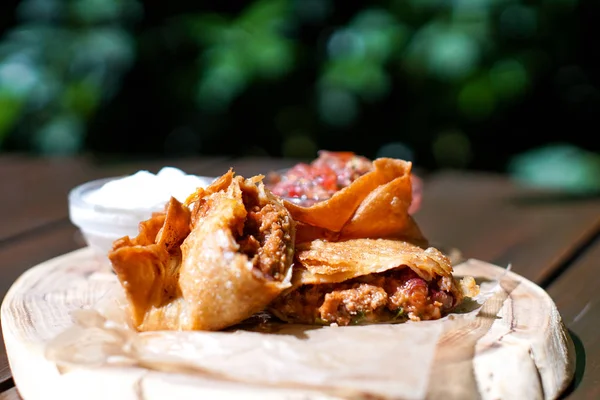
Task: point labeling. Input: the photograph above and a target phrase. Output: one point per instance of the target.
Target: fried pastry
(212, 266)
(370, 281)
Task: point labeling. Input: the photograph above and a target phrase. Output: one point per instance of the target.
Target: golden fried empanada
(213, 267)
(369, 281)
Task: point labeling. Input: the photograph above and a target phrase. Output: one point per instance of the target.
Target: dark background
(506, 85)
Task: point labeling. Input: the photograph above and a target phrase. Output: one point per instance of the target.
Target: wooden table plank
(27, 253)
(576, 295)
(38, 188)
(4, 369)
(35, 189)
(490, 218)
(10, 394)
(21, 255)
(250, 166)
(197, 165)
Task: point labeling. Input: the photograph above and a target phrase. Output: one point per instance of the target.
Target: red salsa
(307, 184)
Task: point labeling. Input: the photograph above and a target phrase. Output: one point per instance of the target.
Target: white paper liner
(346, 360)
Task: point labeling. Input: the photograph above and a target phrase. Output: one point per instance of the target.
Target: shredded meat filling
(343, 306)
(391, 296)
(264, 239)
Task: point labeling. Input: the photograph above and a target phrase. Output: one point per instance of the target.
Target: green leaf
(359, 76)
(219, 86)
(358, 318)
(270, 55)
(10, 110)
(205, 28)
(453, 56)
(337, 107)
(476, 98)
(508, 78)
(558, 166)
(62, 135)
(264, 14)
(81, 97)
(399, 313)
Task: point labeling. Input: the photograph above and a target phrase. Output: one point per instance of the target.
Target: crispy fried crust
(371, 280)
(148, 266)
(235, 259)
(374, 205)
(230, 285)
(332, 262)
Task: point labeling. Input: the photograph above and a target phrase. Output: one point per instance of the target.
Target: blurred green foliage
(62, 62)
(559, 166)
(239, 50)
(420, 79)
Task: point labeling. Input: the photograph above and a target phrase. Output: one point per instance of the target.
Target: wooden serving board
(514, 346)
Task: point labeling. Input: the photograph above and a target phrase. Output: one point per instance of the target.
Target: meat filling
(391, 296)
(265, 235)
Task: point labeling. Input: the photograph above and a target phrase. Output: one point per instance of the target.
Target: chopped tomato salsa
(306, 184)
(319, 180)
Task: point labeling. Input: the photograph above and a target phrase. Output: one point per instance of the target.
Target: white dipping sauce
(145, 190)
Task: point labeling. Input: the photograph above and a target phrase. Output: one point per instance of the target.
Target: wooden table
(550, 238)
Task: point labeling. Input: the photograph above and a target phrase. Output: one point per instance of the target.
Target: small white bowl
(100, 225)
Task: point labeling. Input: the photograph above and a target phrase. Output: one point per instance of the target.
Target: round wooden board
(516, 347)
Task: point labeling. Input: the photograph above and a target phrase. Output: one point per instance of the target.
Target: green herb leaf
(399, 313)
(358, 318)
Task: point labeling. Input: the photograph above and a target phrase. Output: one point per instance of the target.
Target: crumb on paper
(469, 286)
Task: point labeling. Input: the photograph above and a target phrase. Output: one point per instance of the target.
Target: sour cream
(108, 209)
(145, 190)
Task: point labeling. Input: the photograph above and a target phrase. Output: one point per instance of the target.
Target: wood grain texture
(21, 255)
(488, 217)
(516, 347)
(576, 295)
(250, 166)
(10, 394)
(39, 247)
(5, 374)
(35, 189)
(191, 165)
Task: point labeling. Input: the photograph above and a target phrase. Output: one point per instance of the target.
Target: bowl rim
(76, 199)
(76, 196)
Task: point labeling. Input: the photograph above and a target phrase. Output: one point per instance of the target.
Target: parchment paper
(351, 361)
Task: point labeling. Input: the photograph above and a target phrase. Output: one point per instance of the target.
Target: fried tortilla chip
(332, 262)
(374, 205)
(339, 261)
(232, 263)
(384, 213)
(148, 267)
